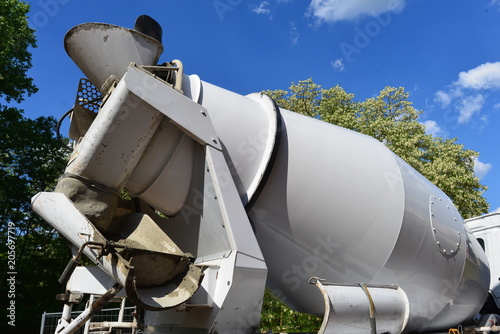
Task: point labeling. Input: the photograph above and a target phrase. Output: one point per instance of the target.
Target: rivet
(437, 242)
(203, 112)
(214, 140)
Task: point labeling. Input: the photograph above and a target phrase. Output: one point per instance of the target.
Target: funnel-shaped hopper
(101, 50)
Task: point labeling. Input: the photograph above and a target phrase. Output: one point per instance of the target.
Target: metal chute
(103, 50)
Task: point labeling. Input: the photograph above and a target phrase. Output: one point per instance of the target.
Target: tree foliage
(31, 159)
(15, 58)
(391, 118)
(277, 318)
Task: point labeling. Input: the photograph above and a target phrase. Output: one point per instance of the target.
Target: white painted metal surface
(487, 230)
(101, 50)
(91, 280)
(340, 205)
(247, 128)
(360, 308)
(214, 227)
(116, 139)
(186, 114)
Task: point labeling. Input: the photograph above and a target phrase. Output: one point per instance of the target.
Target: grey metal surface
(443, 289)
(247, 129)
(332, 207)
(340, 205)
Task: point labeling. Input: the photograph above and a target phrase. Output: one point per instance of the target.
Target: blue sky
(446, 53)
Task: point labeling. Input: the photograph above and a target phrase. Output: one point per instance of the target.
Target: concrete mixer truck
(190, 200)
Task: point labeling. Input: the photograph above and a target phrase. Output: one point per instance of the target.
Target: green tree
(277, 318)
(15, 58)
(304, 97)
(451, 168)
(31, 159)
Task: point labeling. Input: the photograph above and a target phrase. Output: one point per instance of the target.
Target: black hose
(58, 128)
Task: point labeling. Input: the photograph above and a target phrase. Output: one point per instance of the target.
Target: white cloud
(432, 128)
(485, 76)
(338, 65)
(262, 8)
(347, 10)
(462, 96)
(443, 98)
(494, 3)
(481, 168)
(496, 211)
(469, 106)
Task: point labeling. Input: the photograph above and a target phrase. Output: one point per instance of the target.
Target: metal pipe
(120, 314)
(482, 330)
(122, 310)
(42, 325)
(66, 313)
(75, 261)
(87, 324)
(107, 325)
(90, 311)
